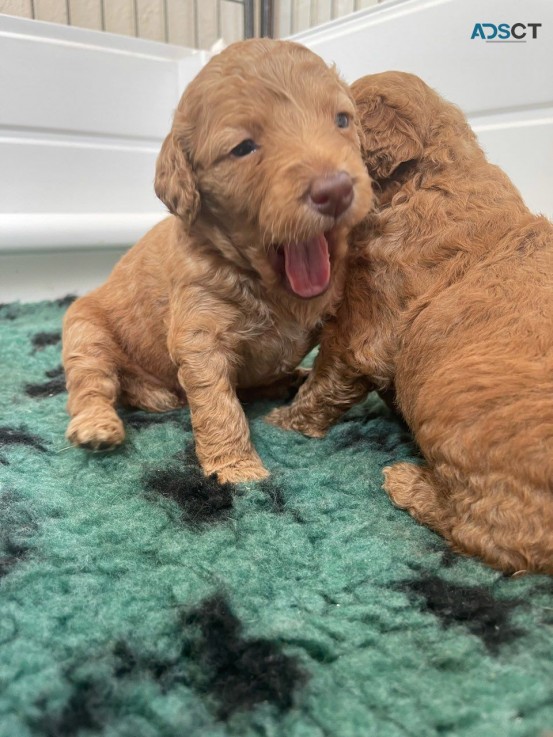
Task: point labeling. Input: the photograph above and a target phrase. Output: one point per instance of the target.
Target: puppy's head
(404, 120)
(264, 148)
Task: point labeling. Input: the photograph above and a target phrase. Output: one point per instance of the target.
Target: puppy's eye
(342, 120)
(243, 149)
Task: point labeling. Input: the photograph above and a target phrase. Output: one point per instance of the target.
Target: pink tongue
(307, 265)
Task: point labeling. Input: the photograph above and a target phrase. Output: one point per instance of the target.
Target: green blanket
(139, 598)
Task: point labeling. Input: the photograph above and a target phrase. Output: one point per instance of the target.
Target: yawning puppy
(263, 174)
(450, 300)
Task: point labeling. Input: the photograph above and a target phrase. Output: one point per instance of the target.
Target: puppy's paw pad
(96, 432)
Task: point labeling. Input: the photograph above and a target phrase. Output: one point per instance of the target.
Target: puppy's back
(477, 361)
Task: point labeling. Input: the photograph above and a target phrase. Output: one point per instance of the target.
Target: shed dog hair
(263, 175)
(449, 300)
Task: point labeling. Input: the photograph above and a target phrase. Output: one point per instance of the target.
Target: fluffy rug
(140, 599)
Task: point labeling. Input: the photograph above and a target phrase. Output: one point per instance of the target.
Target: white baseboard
(32, 277)
(73, 231)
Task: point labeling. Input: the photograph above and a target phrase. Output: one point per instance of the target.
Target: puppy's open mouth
(304, 265)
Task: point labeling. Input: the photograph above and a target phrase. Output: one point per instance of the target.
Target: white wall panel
(71, 80)
(82, 118)
(432, 38)
(522, 144)
(53, 174)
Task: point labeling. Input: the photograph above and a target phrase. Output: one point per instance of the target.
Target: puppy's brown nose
(331, 194)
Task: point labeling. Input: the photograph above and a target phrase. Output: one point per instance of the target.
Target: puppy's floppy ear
(389, 134)
(175, 183)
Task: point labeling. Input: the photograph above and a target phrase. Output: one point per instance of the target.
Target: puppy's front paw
(248, 469)
(101, 430)
(287, 419)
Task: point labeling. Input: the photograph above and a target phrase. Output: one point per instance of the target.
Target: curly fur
(197, 310)
(449, 300)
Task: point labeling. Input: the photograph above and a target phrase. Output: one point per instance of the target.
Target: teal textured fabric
(138, 598)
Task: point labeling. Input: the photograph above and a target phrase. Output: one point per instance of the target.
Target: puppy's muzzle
(331, 194)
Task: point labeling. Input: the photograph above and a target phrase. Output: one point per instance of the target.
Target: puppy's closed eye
(244, 149)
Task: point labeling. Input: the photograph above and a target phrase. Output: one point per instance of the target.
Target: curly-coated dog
(450, 300)
(263, 173)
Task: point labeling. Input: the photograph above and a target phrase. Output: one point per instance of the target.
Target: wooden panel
(284, 18)
(120, 17)
(232, 20)
(22, 8)
(192, 23)
(151, 19)
(321, 12)
(52, 11)
(207, 23)
(300, 15)
(85, 13)
(342, 7)
(182, 22)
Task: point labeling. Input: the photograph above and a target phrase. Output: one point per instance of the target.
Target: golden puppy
(263, 174)
(450, 300)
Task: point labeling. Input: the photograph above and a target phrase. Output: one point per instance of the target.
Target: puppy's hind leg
(91, 360)
(506, 521)
(414, 488)
(498, 519)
